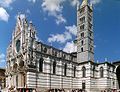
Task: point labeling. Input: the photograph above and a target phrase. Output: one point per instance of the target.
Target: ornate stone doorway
(118, 75)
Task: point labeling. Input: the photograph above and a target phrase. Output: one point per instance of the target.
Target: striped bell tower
(85, 39)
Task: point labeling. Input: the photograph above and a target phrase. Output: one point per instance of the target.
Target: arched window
(41, 64)
(16, 80)
(83, 71)
(82, 42)
(108, 71)
(83, 85)
(74, 71)
(101, 72)
(65, 69)
(82, 49)
(24, 80)
(93, 71)
(82, 35)
(54, 67)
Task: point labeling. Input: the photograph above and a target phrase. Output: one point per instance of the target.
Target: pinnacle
(84, 2)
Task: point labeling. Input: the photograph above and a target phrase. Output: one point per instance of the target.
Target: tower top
(84, 3)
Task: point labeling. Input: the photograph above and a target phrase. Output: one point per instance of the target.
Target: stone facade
(32, 64)
(85, 44)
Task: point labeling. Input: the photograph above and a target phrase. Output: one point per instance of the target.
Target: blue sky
(55, 22)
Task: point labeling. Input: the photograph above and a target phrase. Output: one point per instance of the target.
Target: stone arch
(118, 75)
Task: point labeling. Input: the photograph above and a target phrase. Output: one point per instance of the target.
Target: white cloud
(61, 38)
(54, 8)
(72, 29)
(60, 19)
(33, 1)
(3, 14)
(6, 3)
(74, 2)
(67, 35)
(2, 58)
(94, 1)
(70, 47)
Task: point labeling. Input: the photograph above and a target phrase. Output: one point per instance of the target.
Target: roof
(116, 62)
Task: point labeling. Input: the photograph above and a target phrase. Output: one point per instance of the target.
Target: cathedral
(35, 66)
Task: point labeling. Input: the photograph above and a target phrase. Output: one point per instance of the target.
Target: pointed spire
(84, 2)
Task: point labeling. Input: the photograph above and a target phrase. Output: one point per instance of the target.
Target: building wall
(92, 83)
(47, 79)
(24, 69)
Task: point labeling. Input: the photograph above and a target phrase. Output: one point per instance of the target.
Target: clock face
(18, 45)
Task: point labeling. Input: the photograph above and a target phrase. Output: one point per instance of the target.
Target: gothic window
(74, 71)
(55, 53)
(90, 41)
(83, 71)
(113, 69)
(17, 80)
(54, 67)
(82, 42)
(82, 27)
(65, 69)
(101, 72)
(82, 49)
(17, 45)
(82, 35)
(45, 50)
(108, 71)
(93, 71)
(71, 58)
(90, 34)
(24, 80)
(4, 82)
(41, 64)
(83, 85)
(15, 67)
(82, 20)
(90, 48)
(113, 83)
(64, 56)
